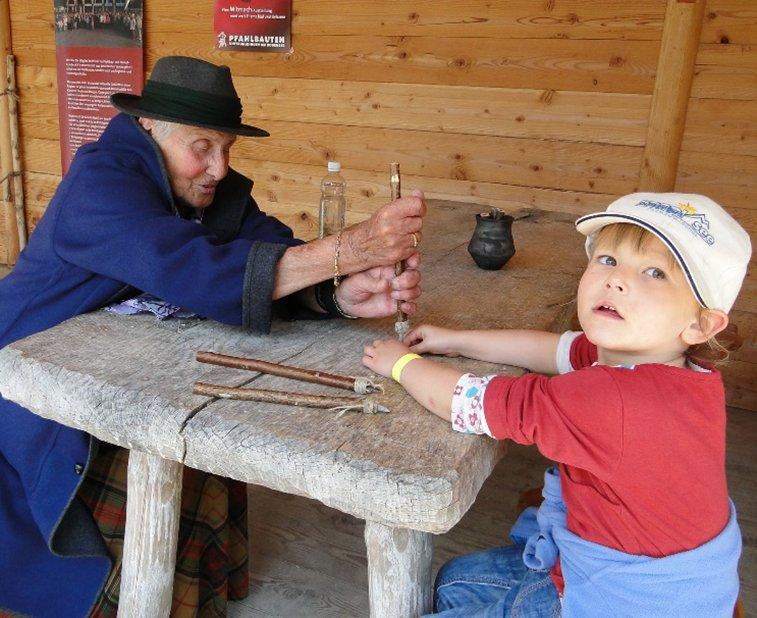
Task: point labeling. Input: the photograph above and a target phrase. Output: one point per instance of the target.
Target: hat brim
(130, 104)
(590, 224)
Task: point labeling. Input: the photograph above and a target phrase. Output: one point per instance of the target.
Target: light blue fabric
(600, 581)
(534, 526)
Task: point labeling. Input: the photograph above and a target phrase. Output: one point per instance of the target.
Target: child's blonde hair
(715, 350)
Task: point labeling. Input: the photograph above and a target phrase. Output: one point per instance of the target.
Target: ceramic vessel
(491, 245)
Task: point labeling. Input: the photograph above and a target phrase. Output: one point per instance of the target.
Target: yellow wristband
(400, 365)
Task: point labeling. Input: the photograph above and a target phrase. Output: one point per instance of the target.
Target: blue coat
(111, 229)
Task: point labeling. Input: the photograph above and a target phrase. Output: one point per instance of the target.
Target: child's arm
(533, 349)
(576, 418)
(431, 384)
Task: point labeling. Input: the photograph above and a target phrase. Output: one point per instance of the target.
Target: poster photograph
(99, 52)
(253, 25)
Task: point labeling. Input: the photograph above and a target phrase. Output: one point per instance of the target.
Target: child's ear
(709, 324)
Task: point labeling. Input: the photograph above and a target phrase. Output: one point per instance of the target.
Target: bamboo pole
(670, 97)
(8, 227)
(18, 187)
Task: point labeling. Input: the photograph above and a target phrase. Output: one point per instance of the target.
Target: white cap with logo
(712, 249)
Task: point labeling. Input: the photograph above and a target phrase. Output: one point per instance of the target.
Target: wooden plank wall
(518, 103)
(719, 153)
(522, 103)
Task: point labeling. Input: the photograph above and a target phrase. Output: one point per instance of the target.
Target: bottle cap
(334, 166)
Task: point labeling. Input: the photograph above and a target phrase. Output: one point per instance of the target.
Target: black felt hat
(189, 91)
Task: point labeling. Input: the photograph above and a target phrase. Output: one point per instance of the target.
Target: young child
(636, 519)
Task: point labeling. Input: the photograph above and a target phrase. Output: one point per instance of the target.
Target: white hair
(161, 129)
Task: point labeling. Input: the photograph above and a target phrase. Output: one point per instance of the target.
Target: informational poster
(99, 52)
(253, 25)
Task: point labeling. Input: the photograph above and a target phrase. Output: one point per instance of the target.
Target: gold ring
(415, 240)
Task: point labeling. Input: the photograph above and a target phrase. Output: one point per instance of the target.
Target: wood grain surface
(479, 101)
(128, 380)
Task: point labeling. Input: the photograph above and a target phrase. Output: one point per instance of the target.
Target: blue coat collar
(223, 217)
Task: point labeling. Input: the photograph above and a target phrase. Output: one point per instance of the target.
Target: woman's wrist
(326, 297)
(351, 259)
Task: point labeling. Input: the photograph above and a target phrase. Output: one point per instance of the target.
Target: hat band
(192, 105)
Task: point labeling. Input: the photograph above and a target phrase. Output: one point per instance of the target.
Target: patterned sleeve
(468, 405)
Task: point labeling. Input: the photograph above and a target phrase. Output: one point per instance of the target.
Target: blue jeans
(494, 583)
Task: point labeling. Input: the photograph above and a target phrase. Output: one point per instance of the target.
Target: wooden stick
(289, 399)
(8, 228)
(401, 325)
(18, 187)
(395, 183)
(350, 383)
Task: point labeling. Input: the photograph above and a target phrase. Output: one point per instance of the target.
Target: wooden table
(128, 381)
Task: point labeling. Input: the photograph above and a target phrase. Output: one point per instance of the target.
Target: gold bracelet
(399, 365)
(337, 275)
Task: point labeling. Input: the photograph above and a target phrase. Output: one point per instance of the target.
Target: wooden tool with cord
(402, 325)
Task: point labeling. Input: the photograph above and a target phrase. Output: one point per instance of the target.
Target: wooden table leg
(152, 528)
(399, 571)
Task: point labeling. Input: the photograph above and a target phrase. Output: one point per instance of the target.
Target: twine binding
(368, 406)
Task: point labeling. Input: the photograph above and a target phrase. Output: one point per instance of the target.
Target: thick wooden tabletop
(128, 380)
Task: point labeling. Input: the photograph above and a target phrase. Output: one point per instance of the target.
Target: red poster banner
(99, 52)
(253, 25)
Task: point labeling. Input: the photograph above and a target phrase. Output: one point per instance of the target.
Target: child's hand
(380, 356)
(431, 339)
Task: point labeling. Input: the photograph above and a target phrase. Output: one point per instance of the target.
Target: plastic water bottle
(333, 201)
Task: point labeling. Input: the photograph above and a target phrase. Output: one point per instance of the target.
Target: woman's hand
(374, 293)
(380, 356)
(390, 235)
(432, 339)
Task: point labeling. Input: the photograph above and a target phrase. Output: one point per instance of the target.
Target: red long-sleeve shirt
(641, 450)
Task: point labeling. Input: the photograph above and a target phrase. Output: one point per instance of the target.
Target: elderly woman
(153, 207)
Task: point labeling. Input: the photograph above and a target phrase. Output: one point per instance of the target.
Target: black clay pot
(492, 242)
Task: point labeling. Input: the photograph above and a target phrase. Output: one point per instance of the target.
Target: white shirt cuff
(468, 405)
(562, 357)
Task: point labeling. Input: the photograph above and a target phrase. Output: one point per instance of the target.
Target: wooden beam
(670, 97)
(8, 228)
(152, 513)
(18, 189)
(399, 571)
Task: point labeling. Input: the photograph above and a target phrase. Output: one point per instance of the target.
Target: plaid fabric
(211, 564)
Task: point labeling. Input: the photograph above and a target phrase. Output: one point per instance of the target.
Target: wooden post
(8, 227)
(18, 186)
(152, 530)
(670, 98)
(399, 571)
